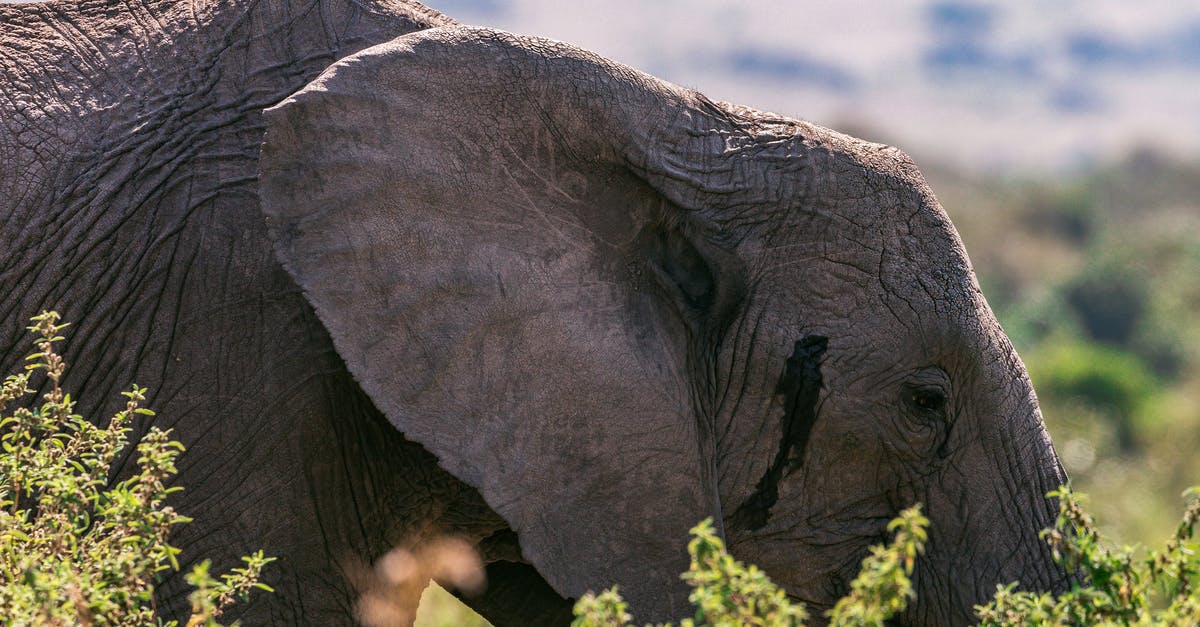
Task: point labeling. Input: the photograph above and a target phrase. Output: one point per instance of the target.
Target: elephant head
(616, 307)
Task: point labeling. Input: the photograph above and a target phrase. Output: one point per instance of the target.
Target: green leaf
(104, 542)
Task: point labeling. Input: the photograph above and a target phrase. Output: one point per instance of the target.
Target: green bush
(1112, 587)
(1111, 300)
(727, 593)
(72, 550)
(1111, 382)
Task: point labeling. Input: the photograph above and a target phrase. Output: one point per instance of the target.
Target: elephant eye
(928, 399)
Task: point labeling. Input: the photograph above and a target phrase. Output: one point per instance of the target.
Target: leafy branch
(74, 551)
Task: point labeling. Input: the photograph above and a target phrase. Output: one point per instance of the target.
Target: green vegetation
(74, 550)
(727, 593)
(1117, 588)
(1114, 587)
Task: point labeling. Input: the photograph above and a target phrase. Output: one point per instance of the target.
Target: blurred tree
(1110, 300)
(1065, 211)
(1110, 381)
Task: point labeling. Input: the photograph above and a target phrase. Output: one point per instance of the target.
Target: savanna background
(1063, 140)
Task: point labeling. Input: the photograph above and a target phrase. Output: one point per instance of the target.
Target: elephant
(390, 277)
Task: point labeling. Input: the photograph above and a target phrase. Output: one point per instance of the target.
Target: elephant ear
(469, 213)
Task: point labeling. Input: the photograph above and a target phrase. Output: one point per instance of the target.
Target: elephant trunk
(982, 536)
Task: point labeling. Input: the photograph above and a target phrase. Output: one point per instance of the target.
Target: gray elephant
(498, 287)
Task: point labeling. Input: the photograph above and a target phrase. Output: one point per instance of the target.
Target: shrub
(74, 551)
(1111, 300)
(727, 593)
(1111, 586)
(1110, 381)
(1067, 211)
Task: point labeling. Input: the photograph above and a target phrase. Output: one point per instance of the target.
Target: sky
(1016, 87)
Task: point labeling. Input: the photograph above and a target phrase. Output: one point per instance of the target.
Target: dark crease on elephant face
(800, 386)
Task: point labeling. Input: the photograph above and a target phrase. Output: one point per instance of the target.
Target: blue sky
(1017, 86)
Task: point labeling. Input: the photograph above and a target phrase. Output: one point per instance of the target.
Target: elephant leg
(517, 595)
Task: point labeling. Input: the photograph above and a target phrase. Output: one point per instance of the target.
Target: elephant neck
(128, 127)
(160, 51)
(110, 89)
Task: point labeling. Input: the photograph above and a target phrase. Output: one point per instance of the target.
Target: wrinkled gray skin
(526, 290)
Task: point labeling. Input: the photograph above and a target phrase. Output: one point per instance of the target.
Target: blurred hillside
(1096, 278)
